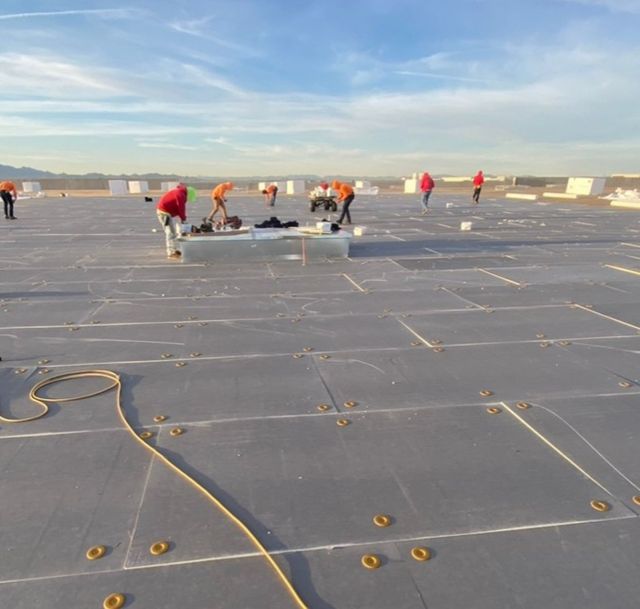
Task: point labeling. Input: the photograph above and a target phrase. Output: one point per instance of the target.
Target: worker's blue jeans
(425, 200)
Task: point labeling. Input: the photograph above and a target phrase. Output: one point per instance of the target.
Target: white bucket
(466, 225)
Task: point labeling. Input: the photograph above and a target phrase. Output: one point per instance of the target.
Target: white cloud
(616, 6)
(52, 77)
(113, 13)
(167, 146)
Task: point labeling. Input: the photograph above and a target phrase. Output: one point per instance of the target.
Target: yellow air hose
(117, 383)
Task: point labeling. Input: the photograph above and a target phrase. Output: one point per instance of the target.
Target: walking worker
(346, 197)
(478, 181)
(218, 198)
(172, 205)
(9, 195)
(270, 193)
(426, 188)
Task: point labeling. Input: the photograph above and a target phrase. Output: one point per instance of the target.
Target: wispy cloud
(113, 13)
(54, 77)
(200, 29)
(167, 146)
(616, 6)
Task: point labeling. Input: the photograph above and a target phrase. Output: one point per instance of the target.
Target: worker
(218, 198)
(9, 195)
(172, 205)
(426, 188)
(346, 197)
(478, 181)
(270, 193)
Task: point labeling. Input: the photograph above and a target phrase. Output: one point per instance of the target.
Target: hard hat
(192, 194)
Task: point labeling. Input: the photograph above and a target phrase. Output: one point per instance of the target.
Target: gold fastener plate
(371, 561)
(159, 547)
(382, 520)
(600, 506)
(96, 552)
(420, 554)
(114, 601)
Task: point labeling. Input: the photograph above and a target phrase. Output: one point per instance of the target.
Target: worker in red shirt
(270, 193)
(478, 181)
(9, 195)
(173, 205)
(426, 188)
(346, 197)
(219, 198)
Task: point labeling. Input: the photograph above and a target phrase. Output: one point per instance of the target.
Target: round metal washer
(114, 601)
(625, 384)
(382, 520)
(523, 405)
(323, 407)
(146, 435)
(176, 431)
(371, 561)
(494, 410)
(159, 548)
(600, 506)
(96, 552)
(343, 422)
(485, 393)
(159, 418)
(350, 404)
(636, 499)
(420, 554)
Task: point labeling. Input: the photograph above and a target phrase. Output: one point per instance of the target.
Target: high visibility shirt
(478, 180)
(220, 190)
(174, 203)
(344, 191)
(271, 189)
(8, 186)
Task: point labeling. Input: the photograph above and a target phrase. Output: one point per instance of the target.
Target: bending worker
(218, 198)
(9, 195)
(270, 193)
(172, 205)
(346, 197)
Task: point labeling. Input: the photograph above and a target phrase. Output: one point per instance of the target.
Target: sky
(323, 87)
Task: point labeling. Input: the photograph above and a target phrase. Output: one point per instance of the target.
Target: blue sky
(358, 87)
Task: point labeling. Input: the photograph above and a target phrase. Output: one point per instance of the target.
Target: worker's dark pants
(345, 209)
(8, 203)
(476, 194)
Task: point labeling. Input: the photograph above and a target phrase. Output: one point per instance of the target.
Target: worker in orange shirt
(346, 197)
(218, 198)
(270, 193)
(9, 195)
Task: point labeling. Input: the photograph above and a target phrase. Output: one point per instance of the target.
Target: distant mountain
(7, 171)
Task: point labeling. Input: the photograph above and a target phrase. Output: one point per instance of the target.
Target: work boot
(174, 256)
